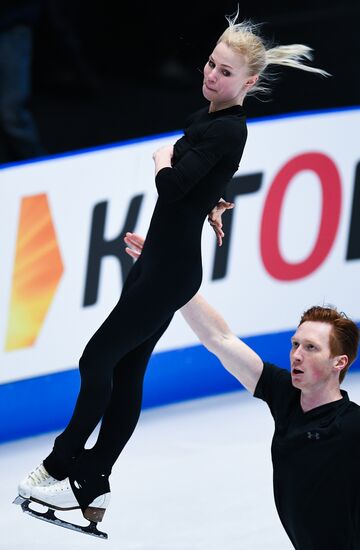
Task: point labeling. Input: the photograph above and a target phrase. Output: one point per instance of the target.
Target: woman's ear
(251, 81)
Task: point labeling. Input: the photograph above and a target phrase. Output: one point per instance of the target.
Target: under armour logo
(313, 435)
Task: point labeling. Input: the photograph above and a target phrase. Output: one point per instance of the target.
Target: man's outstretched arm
(212, 330)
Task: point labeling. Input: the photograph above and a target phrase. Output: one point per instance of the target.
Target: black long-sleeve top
(204, 161)
(209, 153)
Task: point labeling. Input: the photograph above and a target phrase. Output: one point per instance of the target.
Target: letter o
(329, 178)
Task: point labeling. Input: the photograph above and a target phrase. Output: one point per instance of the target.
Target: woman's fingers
(219, 235)
(215, 222)
(226, 205)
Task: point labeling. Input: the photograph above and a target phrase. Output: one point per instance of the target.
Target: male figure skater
(316, 444)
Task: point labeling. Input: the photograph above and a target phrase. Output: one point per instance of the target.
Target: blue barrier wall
(45, 403)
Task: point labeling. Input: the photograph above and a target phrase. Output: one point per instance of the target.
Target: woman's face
(226, 79)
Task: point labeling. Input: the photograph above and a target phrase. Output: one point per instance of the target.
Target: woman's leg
(123, 412)
(138, 318)
(92, 468)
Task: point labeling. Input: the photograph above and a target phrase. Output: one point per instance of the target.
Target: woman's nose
(212, 74)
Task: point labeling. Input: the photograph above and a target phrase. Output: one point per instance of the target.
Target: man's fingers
(132, 243)
(138, 238)
(134, 237)
(134, 240)
(132, 253)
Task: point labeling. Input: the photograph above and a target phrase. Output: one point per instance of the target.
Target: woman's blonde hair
(244, 38)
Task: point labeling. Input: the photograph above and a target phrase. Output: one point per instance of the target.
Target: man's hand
(135, 245)
(214, 218)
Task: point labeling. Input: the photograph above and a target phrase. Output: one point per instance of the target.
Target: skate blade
(50, 517)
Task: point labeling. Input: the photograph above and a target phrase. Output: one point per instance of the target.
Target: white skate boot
(60, 496)
(37, 478)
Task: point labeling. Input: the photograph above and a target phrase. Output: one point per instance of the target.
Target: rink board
(45, 403)
(292, 241)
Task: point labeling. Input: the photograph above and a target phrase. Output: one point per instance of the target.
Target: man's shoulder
(273, 372)
(276, 389)
(350, 423)
(352, 412)
(274, 385)
(354, 407)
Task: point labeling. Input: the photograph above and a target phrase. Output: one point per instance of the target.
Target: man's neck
(311, 400)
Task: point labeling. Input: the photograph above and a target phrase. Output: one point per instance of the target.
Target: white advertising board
(292, 240)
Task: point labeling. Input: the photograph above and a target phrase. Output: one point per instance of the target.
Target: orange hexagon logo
(38, 268)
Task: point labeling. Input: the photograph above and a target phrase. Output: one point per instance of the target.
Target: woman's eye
(226, 73)
(211, 64)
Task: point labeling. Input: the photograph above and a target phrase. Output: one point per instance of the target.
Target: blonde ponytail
(244, 38)
(292, 56)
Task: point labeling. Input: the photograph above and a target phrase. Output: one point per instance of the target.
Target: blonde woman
(190, 177)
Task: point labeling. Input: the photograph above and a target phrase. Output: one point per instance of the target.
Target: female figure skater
(190, 177)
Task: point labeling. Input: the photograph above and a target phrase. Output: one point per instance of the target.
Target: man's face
(312, 366)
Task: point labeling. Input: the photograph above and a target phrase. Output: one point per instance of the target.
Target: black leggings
(112, 370)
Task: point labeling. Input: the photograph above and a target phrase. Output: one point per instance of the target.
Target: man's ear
(340, 362)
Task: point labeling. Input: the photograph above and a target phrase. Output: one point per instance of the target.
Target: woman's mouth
(208, 88)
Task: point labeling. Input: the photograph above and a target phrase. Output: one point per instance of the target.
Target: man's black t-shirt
(316, 465)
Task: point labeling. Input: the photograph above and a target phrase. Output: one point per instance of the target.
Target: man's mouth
(298, 371)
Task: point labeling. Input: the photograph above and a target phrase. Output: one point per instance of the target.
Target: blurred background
(79, 74)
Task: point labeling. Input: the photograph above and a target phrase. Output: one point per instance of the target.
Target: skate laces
(39, 475)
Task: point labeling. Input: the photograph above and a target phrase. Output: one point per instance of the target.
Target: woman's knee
(89, 365)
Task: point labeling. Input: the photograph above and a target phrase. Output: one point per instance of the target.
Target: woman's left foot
(69, 495)
(37, 478)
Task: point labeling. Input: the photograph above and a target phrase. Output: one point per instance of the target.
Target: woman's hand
(162, 157)
(214, 218)
(135, 245)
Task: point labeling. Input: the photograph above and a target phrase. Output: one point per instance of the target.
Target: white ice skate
(60, 496)
(37, 478)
